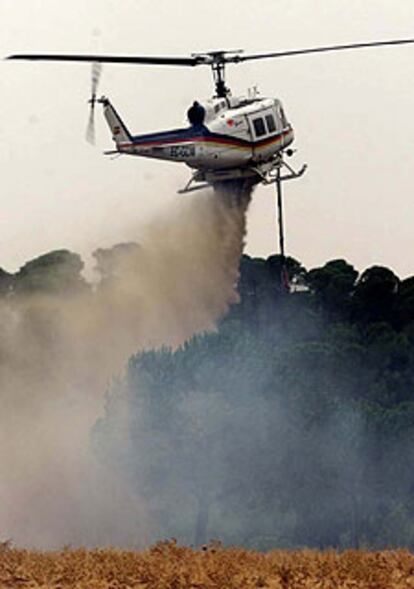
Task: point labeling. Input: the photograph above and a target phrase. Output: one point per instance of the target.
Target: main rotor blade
(240, 58)
(96, 74)
(211, 59)
(144, 60)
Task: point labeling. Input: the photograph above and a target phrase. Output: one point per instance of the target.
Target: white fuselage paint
(236, 133)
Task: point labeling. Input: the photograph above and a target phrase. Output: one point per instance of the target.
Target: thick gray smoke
(59, 350)
(290, 426)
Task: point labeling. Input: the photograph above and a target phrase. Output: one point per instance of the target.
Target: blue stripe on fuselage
(199, 131)
(174, 135)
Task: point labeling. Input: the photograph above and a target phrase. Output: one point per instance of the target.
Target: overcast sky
(352, 114)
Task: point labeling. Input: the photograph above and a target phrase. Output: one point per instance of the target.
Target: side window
(271, 125)
(259, 127)
(283, 117)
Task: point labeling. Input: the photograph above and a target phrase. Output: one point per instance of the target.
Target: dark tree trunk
(202, 521)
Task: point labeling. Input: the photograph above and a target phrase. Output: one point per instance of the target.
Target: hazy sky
(352, 113)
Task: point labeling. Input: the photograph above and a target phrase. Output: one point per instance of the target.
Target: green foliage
(332, 286)
(292, 425)
(57, 273)
(6, 283)
(375, 295)
(404, 303)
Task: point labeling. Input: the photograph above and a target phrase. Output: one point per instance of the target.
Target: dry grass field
(168, 565)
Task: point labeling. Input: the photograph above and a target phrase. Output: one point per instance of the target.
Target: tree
(375, 295)
(57, 273)
(6, 283)
(404, 303)
(332, 286)
(115, 261)
(291, 425)
(181, 433)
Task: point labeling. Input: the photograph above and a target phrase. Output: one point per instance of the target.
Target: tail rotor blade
(96, 74)
(90, 131)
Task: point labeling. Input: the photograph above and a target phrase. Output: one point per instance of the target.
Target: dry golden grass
(168, 565)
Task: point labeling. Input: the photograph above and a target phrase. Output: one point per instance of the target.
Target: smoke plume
(59, 350)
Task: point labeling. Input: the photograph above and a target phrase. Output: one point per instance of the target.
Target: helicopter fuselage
(228, 136)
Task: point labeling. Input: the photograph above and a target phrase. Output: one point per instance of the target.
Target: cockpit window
(219, 106)
(283, 117)
(271, 125)
(259, 127)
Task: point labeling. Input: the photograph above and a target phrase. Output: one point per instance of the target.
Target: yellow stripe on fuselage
(252, 147)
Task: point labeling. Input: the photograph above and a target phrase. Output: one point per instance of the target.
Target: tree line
(290, 425)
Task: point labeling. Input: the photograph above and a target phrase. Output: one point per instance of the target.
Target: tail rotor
(96, 74)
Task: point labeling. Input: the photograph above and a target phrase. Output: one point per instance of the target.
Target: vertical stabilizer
(120, 133)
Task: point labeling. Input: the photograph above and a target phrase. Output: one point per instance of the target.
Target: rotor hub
(217, 61)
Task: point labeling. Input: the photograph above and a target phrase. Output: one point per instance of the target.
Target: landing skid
(274, 174)
(265, 173)
(188, 188)
(208, 178)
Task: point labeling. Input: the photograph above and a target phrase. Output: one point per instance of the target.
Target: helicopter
(232, 143)
(229, 138)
